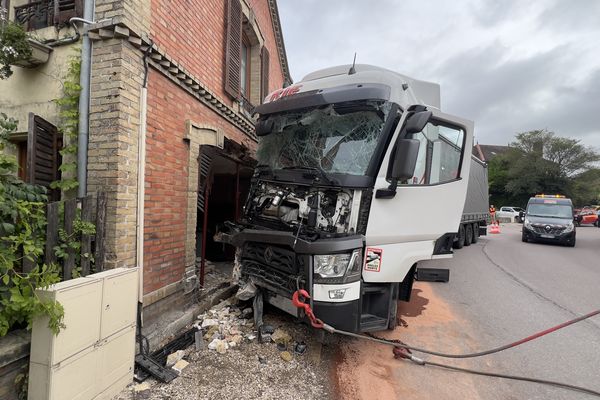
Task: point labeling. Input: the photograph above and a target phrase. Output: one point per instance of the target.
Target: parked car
(587, 215)
(509, 212)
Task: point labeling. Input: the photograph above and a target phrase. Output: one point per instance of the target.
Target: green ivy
(72, 242)
(69, 123)
(22, 230)
(14, 46)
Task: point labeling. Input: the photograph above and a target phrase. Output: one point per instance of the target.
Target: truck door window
(439, 156)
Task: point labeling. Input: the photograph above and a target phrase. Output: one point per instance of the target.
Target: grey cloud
(510, 66)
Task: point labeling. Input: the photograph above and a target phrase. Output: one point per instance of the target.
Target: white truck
(360, 176)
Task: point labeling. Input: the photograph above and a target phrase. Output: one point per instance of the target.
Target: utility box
(93, 357)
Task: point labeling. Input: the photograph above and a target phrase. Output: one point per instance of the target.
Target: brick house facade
(189, 58)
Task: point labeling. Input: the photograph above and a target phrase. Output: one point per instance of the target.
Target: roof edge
(283, 61)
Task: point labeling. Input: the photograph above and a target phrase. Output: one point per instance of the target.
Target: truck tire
(475, 232)
(460, 238)
(468, 234)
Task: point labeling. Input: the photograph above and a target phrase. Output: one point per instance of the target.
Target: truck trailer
(475, 216)
(350, 160)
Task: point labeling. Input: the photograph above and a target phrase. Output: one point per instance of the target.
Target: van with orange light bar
(549, 218)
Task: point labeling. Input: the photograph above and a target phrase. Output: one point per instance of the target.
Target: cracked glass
(338, 138)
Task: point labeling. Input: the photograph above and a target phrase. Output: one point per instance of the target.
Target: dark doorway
(224, 181)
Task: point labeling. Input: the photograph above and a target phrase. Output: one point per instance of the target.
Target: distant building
(485, 152)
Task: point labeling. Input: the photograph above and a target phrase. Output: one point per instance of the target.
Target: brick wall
(194, 36)
(167, 169)
(191, 34)
(112, 151)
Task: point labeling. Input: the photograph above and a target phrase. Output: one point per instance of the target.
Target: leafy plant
(69, 121)
(14, 46)
(72, 242)
(22, 227)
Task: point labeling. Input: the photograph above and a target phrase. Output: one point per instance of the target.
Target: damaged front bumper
(278, 263)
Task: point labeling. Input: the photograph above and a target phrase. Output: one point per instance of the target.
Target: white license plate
(547, 236)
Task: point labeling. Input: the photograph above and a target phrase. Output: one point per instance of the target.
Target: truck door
(403, 229)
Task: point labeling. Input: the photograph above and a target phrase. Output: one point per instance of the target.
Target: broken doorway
(224, 181)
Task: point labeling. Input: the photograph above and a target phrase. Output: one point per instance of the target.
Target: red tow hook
(299, 303)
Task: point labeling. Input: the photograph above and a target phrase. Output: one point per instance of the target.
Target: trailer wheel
(468, 234)
(460, 239)
(475, 232)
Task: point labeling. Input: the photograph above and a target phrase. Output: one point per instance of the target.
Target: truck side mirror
(417, 121)
(405, 159)
(402, 167)
(264, 127)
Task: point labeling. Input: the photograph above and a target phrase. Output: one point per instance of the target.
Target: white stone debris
(180, 366)
(173, 358)
(209, 322)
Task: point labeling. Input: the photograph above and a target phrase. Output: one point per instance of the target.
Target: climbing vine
(69, 121)
(22, 227)
(14, 46)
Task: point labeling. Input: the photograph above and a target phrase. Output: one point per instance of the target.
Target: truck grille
(548, 229)
(276, 257)
(276, 267)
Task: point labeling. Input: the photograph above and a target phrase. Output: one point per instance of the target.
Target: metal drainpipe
(84, 102)
(141, 181)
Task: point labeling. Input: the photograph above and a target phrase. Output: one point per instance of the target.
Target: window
(439, 156)
(245, 69)
(43, 157)
(43, 13)
(246, 57)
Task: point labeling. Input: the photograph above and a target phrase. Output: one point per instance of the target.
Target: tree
(539, 162)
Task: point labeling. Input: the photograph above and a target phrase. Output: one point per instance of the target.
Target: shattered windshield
(337, 138)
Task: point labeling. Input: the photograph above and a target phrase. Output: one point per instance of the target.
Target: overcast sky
(511, 66)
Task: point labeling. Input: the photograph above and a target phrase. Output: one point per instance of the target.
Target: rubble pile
(226, 326)
(231, 360)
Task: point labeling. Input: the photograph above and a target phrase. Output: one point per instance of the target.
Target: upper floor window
(43, 13)
(246, 57)
(245, 68)
(440, 154)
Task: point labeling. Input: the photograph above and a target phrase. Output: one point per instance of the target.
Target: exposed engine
(306, 208)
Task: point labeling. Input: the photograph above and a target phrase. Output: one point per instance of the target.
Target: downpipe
(84, 99)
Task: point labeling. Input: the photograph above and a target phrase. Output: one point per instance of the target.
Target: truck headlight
(527, 224)
(338, 265)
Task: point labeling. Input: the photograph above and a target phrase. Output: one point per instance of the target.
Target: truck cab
(350, 160)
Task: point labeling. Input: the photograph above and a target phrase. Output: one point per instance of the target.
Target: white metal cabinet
(115, 359)
(72, 379)
(119, 299)
(81, 299)
(93, 357)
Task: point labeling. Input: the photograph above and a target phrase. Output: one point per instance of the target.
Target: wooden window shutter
(43, 157)
(64, 10)
(264, 69)
(233, 50)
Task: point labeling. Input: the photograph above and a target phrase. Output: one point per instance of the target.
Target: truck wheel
(468, 234)
(524, 238)
(460, 238)
(475, 232)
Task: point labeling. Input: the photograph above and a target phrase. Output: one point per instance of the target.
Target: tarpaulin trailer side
(475, 214)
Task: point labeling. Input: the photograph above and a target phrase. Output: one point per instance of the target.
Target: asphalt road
(501, 290)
